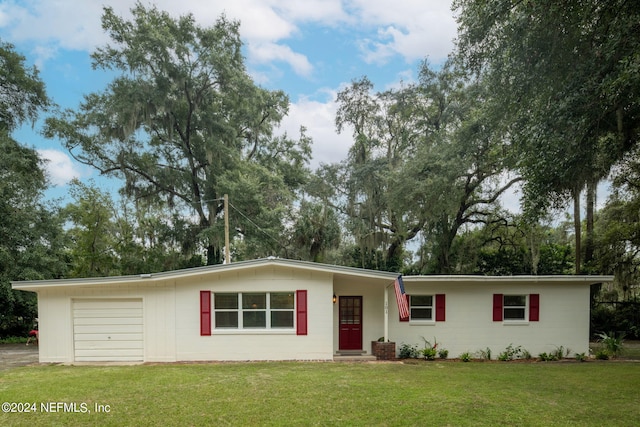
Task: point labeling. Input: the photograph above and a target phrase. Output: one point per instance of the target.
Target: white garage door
(108, 330)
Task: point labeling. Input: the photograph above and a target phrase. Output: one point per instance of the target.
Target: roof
(33, 285)
(336, 270)
(578, 279)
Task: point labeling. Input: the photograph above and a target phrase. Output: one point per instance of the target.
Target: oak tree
(183, 123)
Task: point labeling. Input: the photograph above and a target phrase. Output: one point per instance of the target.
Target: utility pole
(227, 250)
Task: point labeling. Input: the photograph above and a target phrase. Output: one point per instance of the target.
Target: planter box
(383, 350)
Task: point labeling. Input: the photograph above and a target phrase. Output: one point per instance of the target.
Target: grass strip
(309, 393)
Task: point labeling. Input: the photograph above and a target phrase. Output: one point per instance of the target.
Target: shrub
(408, 351)
(613, 344)
(581, 357)
(550, 357)
(485, 354)
(602, 354)
(443, 353)
(13, 340)
(510, 353)
(621, 316)
(560, 353)
(429, 353)
(465, 357)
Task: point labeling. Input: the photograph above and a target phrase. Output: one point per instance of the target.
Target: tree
(564, 76)
(92, 232)
(316, 230)
(31, 238)
(424, 162)
(22, 93)
(508, 245)
(149, 238)
(462, 176)
(384, 138)
(618, 239)
(184, 124)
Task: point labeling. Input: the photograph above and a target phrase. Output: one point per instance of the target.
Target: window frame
(432, 307)
(240, 311)
(524, 308)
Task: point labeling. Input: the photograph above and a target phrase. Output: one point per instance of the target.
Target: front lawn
(310, 393)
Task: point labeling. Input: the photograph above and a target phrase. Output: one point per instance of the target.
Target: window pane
(282, 319)
(226, 319)
(282, 300)
(254, 319)
(421, 313)
(421, 300)
(254, 301)
(225, 301)
(514, 313)
(515, 300)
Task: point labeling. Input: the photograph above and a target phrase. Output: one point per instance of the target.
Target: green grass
(289, 393)
(13, 340)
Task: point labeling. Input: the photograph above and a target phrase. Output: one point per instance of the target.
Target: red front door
(350, 323)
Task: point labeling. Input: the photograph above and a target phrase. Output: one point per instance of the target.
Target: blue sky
(310, 49)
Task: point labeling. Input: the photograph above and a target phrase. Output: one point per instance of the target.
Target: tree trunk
(591, 201)
(444, 251)
(577, 227)
(394, 255)
(214, 255)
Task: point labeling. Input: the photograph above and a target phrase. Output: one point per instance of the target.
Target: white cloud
(70, 24)
(510, 199)
(319, 119)
(59, 167)
(75, 24)
(324, 11)
(412, 29)
(264, 53)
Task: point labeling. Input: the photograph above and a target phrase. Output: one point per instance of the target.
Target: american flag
(401, 298)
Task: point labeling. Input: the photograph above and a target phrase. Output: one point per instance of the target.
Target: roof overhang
(151, 278)
(335, 270)
(565, 279)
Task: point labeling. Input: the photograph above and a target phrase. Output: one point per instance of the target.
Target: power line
(255, 225)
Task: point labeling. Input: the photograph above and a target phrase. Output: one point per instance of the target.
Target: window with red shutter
(534, 307)
(301, 313)
(205, 313)
(440, 308)
(497, 307)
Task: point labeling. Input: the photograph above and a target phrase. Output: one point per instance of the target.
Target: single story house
(278, 309)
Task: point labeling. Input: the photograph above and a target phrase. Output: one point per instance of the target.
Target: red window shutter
(301, 312)
(497, 307)
(205, 313)
(440, 308)
(409, 305)
(534, 307)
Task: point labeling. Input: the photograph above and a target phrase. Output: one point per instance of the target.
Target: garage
(108, 330)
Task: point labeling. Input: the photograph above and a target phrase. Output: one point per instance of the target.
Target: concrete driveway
(12, 355)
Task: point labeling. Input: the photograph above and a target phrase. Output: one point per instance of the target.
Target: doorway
(350, 320)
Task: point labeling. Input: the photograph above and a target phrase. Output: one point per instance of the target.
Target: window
(514, 307)
(421, 307)
(281, 305)
(226, 310)
(254, 310)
